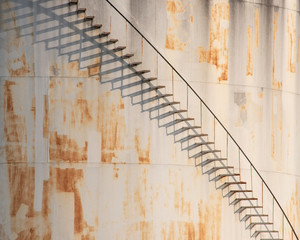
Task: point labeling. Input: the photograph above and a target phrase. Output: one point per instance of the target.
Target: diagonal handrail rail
(190, 87)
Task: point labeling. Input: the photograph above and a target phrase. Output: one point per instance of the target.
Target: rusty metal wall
(80, 160)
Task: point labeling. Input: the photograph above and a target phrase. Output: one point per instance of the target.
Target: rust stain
(143, 153)
(173, 41)
(104, 114)
(192, 19)
(276, 84)
(111, 124)
(249, 71)
(139, 193)
(46, 117)
(182, 207)
(25, 222)
(69, 180)
(24, 68)
(146, 229)
(66, 68)
(170, 234)
(293, 209)
(33, 108)
(291, 30)
(116, 171)
(14, 127)
(189, 231)
(62, 148)
(85, 115)
(22, 184)
(298, 50)
(210, 218)
(257, 27)
(277, 135)
(218, 51)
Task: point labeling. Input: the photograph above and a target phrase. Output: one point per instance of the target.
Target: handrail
(173, 68)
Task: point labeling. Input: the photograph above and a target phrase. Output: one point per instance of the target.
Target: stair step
(227, 184)
(176, 121)
(256, 233)
(112, 40)
(208, 161)
(195, 145)
(150, 89)
(232, 192)
(251, 225)
(191, 136)
(97, 25)
(142, 72)
(89, 18)
(128, 55)
(120, 48)
(242, 208)
(220, 176)
(151, 79)
(153, 98)
(183, 129)
(170, 113)
(73, 2)
(237, 200)
(161, 106)
(204, 153)
(248, 216)
(81, 10)
(134, 64)
(214, 169)
(104, 34)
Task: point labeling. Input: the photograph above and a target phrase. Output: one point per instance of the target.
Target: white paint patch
(94, 146)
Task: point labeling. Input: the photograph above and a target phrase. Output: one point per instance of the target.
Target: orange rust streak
(298, 50)
(21, 71)
(22, 184)
(143, 154)
(257, 27)
(65, 149)
(46, 117)
(218, 51)
(189, 231)
(111, 124)
(276, 84)
(33, 108)
(14, 128)
(82, 104)
(291, 42)
(116, 171)
(277, 136)
(249, 53)
(173, 43)
(172, 40)
(66, 181)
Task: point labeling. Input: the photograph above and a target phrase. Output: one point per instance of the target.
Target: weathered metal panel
(82, 160)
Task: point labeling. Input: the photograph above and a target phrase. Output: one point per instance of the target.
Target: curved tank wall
(79, 159)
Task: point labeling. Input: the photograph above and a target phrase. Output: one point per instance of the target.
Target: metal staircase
(233, 174)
